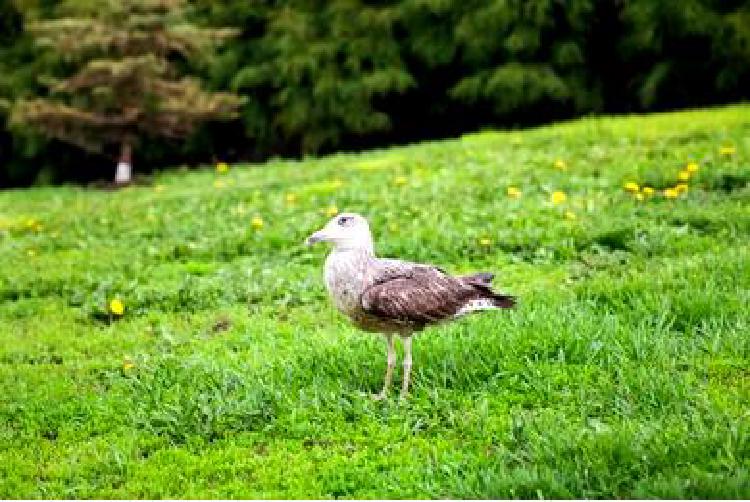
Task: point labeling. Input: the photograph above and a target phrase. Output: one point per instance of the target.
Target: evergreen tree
(687, 53)
(313, 70)
(125, 84)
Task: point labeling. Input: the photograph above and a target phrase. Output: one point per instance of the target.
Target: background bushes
(347, 74)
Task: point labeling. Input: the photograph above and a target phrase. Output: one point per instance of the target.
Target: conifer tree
(125, 85)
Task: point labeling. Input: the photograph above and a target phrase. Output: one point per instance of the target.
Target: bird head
(344, 231)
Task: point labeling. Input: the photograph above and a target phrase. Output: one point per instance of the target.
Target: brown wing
(417, 296)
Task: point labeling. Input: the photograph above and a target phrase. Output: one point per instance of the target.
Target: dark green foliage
(25, 156)
(345, 74)
(313, 71)
(11, 22)
(522, 54)
(687, 53)
(11, 29)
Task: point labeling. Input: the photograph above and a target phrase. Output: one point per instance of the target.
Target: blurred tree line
(321, 75)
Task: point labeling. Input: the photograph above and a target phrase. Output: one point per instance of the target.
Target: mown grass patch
(623, 373)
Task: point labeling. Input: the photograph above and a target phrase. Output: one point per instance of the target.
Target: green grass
(623, 373)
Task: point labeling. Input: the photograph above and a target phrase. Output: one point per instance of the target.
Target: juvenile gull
(395, 297)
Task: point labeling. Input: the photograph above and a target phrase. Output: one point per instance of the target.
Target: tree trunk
(124, 173)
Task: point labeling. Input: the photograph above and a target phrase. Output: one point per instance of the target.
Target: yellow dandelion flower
(559, 197)
(291, 198)
(222, 167)
(683, 175)
(332, 211)
(31, 253)
(691, 167)
(513, 192)
(570, 215)
(219, 184)
(681, 187)
(485, 241)
(648, 191)
(159, 188)
(671, 193)
(116, 306)
(400, 181)
(632, 186)
(561, 165)
(727, 150)
(256, 222)
(127, 364)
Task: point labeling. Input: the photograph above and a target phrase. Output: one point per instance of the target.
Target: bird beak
(318, 236)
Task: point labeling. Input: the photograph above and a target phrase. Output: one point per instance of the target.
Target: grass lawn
(625, 371)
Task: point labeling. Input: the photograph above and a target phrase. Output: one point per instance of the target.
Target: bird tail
(483, 283)
(503, 301)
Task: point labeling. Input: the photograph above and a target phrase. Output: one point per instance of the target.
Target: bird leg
(389, 369)
(407, 367)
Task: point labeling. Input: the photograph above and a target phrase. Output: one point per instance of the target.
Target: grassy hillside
(623, 373)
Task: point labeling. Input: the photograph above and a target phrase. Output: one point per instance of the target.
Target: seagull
(395, 297)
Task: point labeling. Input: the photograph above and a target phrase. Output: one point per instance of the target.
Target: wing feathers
(417, 295)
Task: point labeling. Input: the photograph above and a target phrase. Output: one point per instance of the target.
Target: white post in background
(124, 173)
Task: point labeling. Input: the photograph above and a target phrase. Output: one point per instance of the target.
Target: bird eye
(345, 221)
